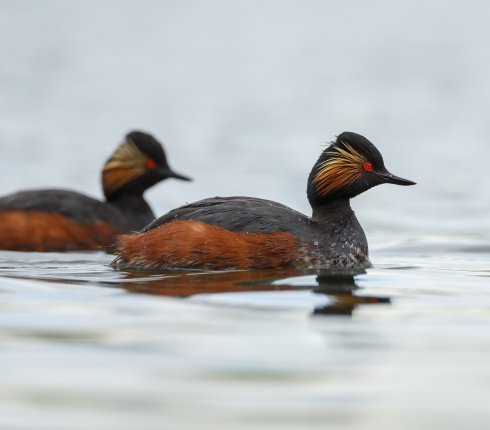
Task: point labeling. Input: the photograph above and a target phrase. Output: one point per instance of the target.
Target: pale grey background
(244, 95)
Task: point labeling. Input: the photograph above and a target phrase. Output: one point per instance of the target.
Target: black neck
(136, 211)
(332, 211)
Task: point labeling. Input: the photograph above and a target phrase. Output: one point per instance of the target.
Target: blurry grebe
(61, 220)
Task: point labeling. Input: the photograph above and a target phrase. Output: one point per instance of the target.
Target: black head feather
(136, 165)
(348, 167)
(149, 146)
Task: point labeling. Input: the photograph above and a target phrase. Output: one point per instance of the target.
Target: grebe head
(138, 163)
(348, 167)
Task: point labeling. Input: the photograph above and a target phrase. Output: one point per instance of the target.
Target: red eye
(368, 167)
(151, 164)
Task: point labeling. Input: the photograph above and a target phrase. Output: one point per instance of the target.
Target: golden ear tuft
(341, 169)
(125, 164)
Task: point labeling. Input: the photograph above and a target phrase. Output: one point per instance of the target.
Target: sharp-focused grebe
(244, 232)
(61, 220)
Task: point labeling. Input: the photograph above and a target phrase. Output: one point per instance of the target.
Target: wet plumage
(245, 232)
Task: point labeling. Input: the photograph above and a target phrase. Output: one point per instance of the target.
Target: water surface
(405, 344)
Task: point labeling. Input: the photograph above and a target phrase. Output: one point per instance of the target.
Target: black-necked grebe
(61, 220)
(244, 232)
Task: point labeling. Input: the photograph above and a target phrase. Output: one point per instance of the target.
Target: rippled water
(244, 96)
(404, 346)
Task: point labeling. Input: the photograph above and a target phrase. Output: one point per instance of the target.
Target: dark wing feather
(71, 204)
(237, 214)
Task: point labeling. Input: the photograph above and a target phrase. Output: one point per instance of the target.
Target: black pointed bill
(169, 173)
(389, 178)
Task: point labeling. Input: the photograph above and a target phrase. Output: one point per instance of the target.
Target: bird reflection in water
(339, 286)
